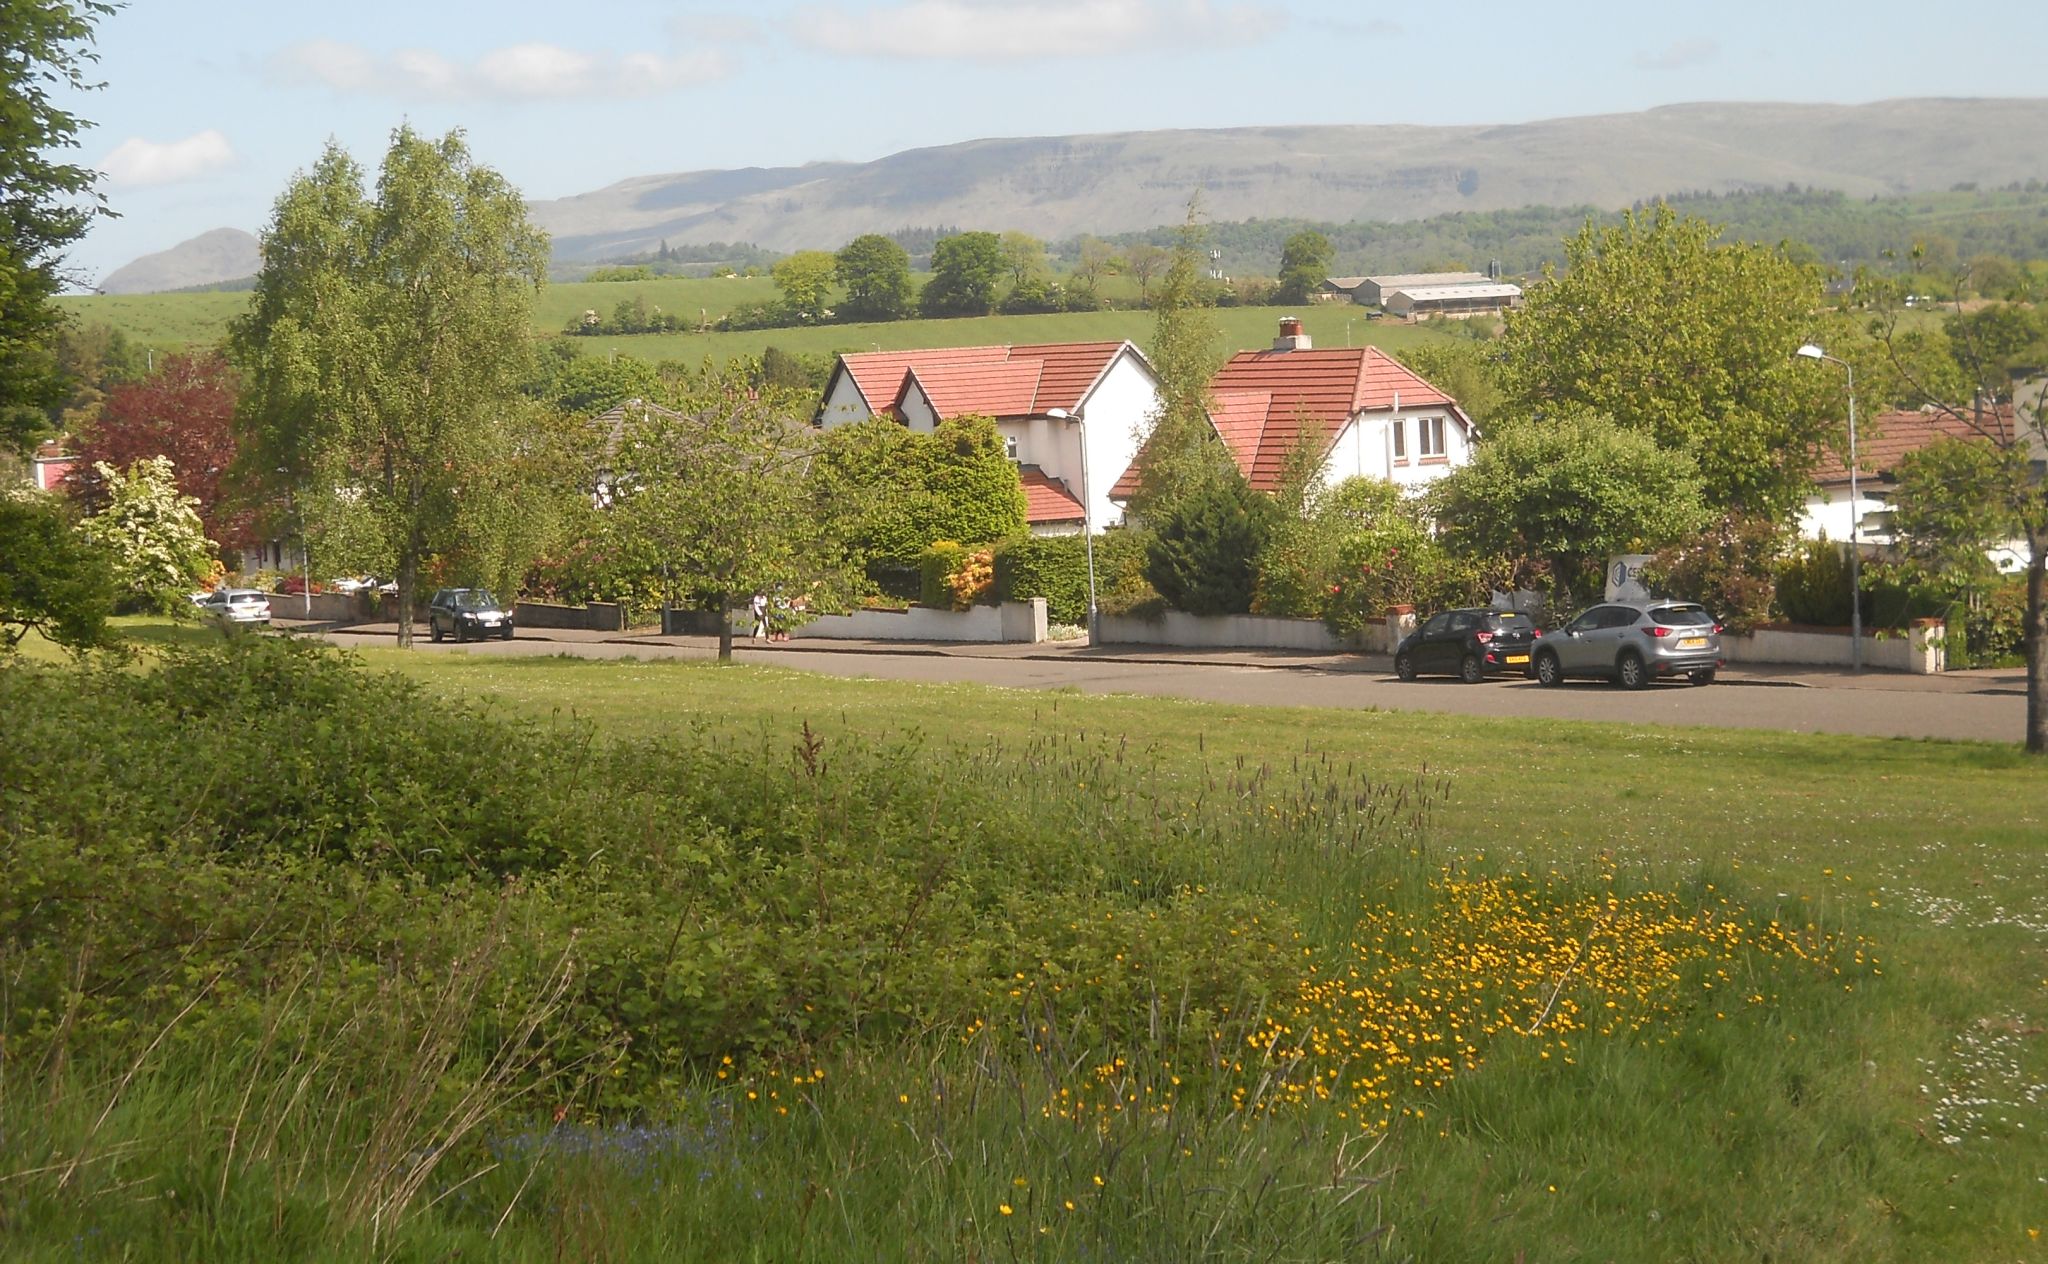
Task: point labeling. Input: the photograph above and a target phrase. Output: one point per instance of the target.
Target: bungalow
(1374, 416)
(1070, 413)
(1882, 443)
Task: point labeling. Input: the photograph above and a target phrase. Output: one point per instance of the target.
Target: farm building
(1372, 291)
(1415, 302)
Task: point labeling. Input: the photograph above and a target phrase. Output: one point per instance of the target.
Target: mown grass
(1870, 1094)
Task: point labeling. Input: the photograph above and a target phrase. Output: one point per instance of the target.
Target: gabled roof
(988, 380)
(1262, 399)
(1401, 280)
(1432, 293)
(1885, 440)
(1046, 499)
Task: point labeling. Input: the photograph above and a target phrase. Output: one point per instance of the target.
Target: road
(1872, 705)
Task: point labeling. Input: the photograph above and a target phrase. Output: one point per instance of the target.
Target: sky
(210, 106)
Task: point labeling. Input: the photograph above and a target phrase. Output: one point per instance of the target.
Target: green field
(943, 972)
(174, 321)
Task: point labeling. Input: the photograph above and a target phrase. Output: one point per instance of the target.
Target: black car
(1472, 644)
(466, 612)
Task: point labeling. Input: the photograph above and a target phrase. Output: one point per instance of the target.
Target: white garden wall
(1239, 631)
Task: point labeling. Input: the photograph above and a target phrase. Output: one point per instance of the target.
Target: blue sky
(211, 105)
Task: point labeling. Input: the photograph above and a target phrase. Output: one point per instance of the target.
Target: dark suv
(1634, 642)
(1472, 644)
(466, 612)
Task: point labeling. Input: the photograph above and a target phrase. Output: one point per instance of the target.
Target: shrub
(1056, 568)
(1813, 585)
(1203, 555)
(1730, 568)
(935, 569)
(972, 580)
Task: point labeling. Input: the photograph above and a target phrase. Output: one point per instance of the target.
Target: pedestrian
(759, 605)
(779, 617)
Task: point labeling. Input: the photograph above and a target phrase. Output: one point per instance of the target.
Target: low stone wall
(1021, 622)
(325, 607)
(595, 616)
(1240, 632)
(1920, 651)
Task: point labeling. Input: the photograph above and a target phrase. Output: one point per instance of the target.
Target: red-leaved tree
(185, 411)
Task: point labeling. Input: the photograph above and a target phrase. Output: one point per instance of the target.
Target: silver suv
(1633, 643)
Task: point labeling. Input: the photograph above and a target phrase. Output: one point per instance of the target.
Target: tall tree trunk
(725, 627)
(2036, 639)
(408, 579)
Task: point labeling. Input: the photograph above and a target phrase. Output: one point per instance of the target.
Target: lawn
(1542, 989)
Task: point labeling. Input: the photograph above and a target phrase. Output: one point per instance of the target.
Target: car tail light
(1717, 629)
(1658, 631)
(1482, 637)
(1536, 633)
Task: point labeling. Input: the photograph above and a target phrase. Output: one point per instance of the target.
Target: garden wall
(1919, 652)
(595, 616)
(1013, 621)
(1240, 631)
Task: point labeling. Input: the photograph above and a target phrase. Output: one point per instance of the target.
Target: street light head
(1061, 414)
(1811, 351)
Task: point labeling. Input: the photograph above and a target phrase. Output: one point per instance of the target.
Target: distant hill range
(1057, 186)
(225, 254)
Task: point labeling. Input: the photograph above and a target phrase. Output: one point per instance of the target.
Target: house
(1419, 302)
(1049, 402)
(1882, 443)
(52, 466)
(1374, 416)
(1372, 291)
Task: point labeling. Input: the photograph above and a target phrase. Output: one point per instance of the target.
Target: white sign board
(1625, 577)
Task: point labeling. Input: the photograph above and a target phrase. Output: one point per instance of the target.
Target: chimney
(1291, 338)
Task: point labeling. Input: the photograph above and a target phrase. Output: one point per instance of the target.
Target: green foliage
(1467, 371)
(1566, 493)
(51, 579)
(606, 276)
(936, 566)
(1204, 551)
(150, 534)
(1182, 453)
(875, 273)
(587, 385)
(890, 493)
(1813, 584)
(965, 272)
(48, 204)
(1730, 567)
(1358, 548)
(1953, 500)
(1305, 262)
(805, 279)
(1672, 335)
(1055, 567)
(385, 344)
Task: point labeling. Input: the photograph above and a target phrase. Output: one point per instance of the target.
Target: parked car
(237, 605)
(466, 612)
(1633, 643)
(1472, 644)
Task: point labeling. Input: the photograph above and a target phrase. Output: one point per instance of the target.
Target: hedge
(935, 566)
(1056, 568)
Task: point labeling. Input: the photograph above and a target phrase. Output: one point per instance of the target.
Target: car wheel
(1705, 676)
(1472, 671)
(434, 632)
(1549, 671)
(1404, 666)
(1631, 671)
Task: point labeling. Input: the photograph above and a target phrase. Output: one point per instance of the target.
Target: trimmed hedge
(1056, 568)
(935, 566)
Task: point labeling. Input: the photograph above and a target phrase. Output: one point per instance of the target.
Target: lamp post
(1087, 519)
(1812, 351)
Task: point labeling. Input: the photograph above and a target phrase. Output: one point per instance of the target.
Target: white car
(237, 605)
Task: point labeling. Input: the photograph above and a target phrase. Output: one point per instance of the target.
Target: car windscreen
(1512, 621)
(475, 599)
(1683, 616)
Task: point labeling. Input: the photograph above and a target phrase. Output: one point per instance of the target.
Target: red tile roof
(1239, 418)
(1047, 499)
(1323, 387)
(1883, 441)
(986, 380)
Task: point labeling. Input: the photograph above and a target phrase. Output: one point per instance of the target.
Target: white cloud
(1682, 55)
(520, 72)
(136, 162)
(1002, 30)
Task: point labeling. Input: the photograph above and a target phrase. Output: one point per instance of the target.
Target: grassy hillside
(171, 321)
(767, 965)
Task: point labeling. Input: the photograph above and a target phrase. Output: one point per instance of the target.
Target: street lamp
(1087, 520)
(1812, 351)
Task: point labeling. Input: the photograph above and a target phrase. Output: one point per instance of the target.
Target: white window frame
(1010, 447)
(1432, 441)
(1398, 429)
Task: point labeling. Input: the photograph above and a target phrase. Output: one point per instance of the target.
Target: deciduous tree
(805, 279)
(965, 272)
(875, 272)
(52, 579)
(45, 203)
(1305, 262)
(1182, 453)
(184, 411)
(150, 532)
(386, 343)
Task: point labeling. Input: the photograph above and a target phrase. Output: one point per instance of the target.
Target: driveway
(1962, 706)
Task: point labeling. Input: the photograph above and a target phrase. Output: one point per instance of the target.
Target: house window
(1398, 428)
(1430, 435)
(1010, 446)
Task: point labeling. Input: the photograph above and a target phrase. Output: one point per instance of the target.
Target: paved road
(1869, 705)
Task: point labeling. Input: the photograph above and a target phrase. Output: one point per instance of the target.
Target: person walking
(759, 605)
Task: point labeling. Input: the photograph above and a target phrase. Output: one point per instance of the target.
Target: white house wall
(1119, 413)
(843, 403)
(1366, 450)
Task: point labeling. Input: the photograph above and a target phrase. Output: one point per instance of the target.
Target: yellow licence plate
(1518, 658)
(1692, 642)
